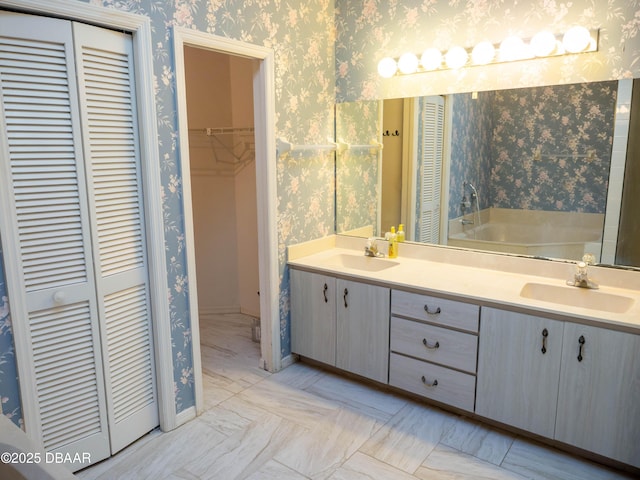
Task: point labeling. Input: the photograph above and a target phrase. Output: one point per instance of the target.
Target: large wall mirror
(547, 171)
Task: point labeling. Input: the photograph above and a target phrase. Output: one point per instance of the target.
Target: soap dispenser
(393, 243)
(400, 234)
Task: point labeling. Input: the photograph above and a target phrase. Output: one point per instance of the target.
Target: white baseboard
(203, 312)
(251, 313)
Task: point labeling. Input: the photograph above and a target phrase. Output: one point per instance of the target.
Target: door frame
(140, 28)
(264, 131)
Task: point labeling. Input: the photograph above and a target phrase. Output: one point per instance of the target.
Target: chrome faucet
(371, 249)
(581, 277)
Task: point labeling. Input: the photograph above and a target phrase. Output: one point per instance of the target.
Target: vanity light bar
(543, 44)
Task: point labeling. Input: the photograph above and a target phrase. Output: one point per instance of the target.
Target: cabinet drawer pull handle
(346, 292)
(324, 292)
(432, 384)
(581, 341)
(435, 312)
(545, 334)
(430, 347)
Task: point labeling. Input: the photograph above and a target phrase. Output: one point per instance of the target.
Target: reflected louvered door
(104, 61)
(432, 136)
(42, 148)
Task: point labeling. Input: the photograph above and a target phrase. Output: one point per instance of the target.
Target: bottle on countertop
(393, 243)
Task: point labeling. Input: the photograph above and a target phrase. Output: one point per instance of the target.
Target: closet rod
(209, 131)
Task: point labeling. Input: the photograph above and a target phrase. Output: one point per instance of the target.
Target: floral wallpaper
(471, 152)
(9, 399)
(367, 31)
(357, 172)
(518, 146)
(552, 147)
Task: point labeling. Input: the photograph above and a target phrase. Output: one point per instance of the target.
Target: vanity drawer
(448, 313)
(447, 347)
(449, 386)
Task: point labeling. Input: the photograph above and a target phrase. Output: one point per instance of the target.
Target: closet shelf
(232, 148)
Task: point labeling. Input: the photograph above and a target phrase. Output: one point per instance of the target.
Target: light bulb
(576, 39)
(512, 48)
(483, 53)
(543, 43)
(431, 59)
(456, 57)
(408, 63)
(387, 67)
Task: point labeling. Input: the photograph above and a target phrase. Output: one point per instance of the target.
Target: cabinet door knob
(324, 292)
(430, 347)
(428, 384)
(545, 334)
(434, 312)
(581, 341)
(346, 292)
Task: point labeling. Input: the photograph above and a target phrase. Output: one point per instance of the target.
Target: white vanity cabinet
(504, 355)
(363, 329)
(341, 323)
(313, 316)
(599, 396)
(518, 369)
(574, 383)
(434, 345)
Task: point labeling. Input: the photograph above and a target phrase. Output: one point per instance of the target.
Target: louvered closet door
(104, 61)
(41, 136)
(432, 135)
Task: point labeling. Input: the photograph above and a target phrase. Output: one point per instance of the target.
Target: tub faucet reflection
(581, 277)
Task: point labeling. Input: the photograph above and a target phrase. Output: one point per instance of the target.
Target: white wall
(215, 240)
(245, 189)
(247, 234)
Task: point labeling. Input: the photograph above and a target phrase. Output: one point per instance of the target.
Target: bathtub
(543, 234)
(14, 446)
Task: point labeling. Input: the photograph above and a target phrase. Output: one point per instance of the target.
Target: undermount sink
(577, 297)
(361, 262)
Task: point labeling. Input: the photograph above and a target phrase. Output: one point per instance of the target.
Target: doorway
(227, 148)
(219, 95)
(223, 181)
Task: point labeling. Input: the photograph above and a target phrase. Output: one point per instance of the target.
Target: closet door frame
(140, 28)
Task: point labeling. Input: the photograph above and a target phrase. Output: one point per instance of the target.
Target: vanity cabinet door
(313, 316)
(598, 401)
(518, 369)
(363, 329)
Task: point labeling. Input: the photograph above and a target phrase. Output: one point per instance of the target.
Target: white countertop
(479, 284)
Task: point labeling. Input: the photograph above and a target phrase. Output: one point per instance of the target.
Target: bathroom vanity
(499, 337)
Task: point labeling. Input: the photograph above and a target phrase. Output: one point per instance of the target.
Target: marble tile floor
(307, 423)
